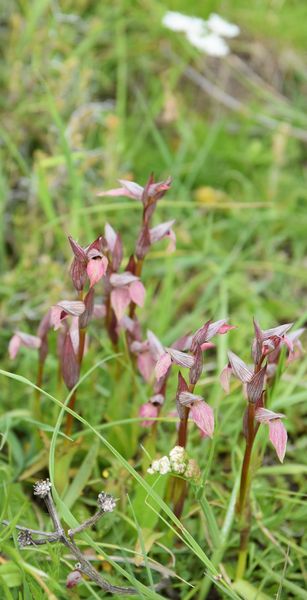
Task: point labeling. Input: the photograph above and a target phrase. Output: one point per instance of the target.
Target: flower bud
(73, 579)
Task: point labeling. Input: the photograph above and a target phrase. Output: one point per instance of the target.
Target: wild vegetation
(117, 344)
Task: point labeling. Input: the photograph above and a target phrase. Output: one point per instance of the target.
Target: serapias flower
(200, 412)
(63, 309)
(196, 344)
(266, 348)
(23, 339)
(277, 431)
(148, 410)
(126, 288)
(88, 263)
(151, 190)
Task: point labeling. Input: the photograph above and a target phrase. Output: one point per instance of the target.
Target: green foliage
(87, 87)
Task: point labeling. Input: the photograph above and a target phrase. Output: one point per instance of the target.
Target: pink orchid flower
(200, 412)
(22, 339)
(137, 192)
(126, 288)
(277, 431)
(88, 262)
(63, 309)
(148, 411)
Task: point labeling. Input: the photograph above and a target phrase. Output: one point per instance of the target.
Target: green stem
(180, 485)
(72, 401)
(243, 507)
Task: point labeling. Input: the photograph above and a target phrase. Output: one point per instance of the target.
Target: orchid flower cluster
(266, 349)
(123, 289)
(155, 360)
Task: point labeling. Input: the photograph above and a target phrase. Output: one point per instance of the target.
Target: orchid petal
(202, 415)
(155, 345)
(116, 192)
(160, 231)
(148, 410)
(279, 331)
(137, 293)
(187, 398)
(120, 299)
(180, 358)
(254, 387)
(207, 346)
(111, 236)
(14, 345)
(145, 365)
(225, 379)
(96, 269)
(122, 279)
(239, 368)
(264, 415)
(278, 437)
(163, 365)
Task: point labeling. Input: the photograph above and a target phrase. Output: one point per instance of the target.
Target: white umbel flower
(221, 27)
(165, 466)
(177, 453)
(211, 44)
(177, 21)
(207, 36)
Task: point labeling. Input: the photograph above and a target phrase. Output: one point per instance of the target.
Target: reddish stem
(180, 485)
(72, 401)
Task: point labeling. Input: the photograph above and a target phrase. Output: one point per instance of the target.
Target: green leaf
(248, 591)
(10, 574)
(82, 476)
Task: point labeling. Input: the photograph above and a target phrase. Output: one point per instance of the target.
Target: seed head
(106, 502)
(42, 488)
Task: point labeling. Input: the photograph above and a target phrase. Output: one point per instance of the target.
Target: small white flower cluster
(177, 462)
(208, 36)
(42, 488)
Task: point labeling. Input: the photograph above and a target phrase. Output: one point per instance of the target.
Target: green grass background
(93, 91)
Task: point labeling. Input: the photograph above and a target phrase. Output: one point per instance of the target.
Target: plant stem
(72, 401)
(180, 485)
(138, 273)
(243, 507)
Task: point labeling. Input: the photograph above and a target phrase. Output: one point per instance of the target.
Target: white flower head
(165, 466)
(207, 36)
(177, 21)
(211, 44)
(177, 453)
(221, 27)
